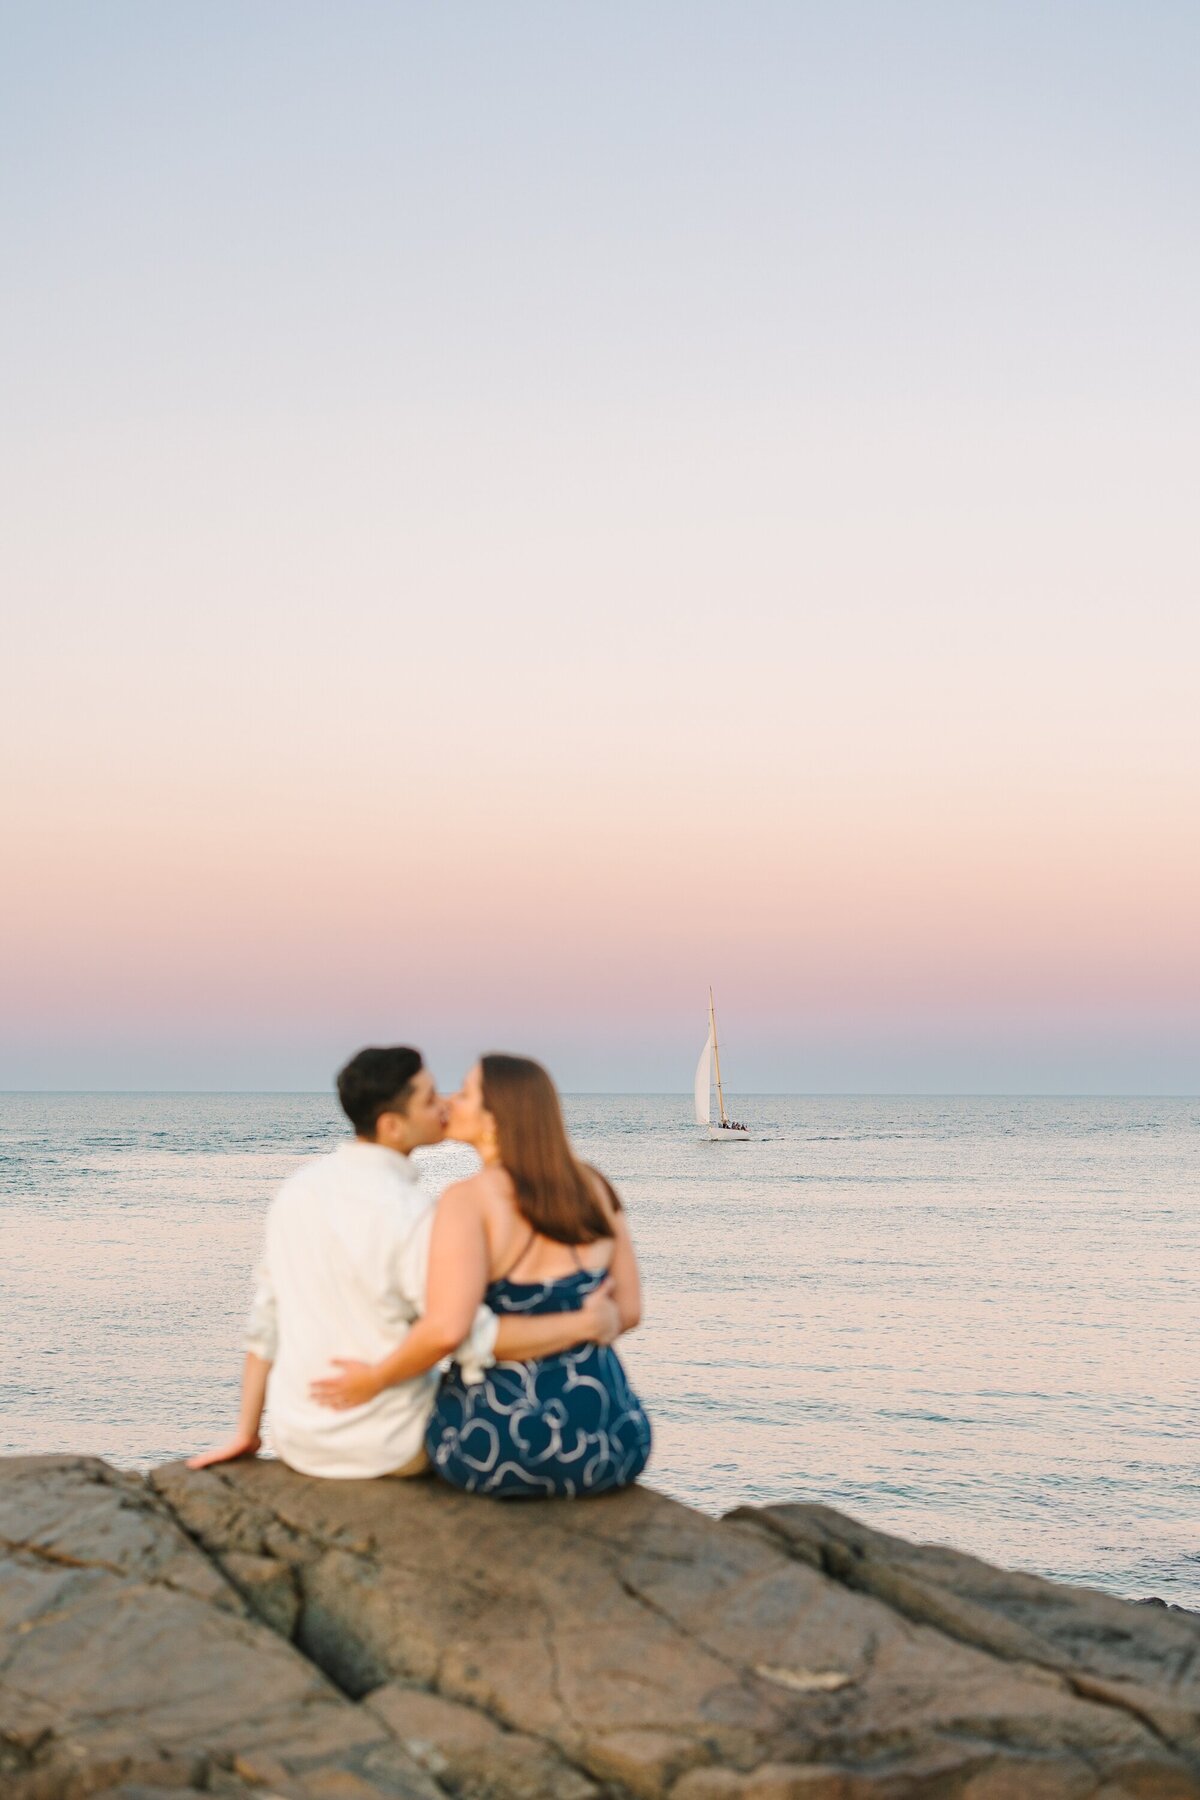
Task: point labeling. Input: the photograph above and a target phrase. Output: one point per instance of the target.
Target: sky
(511, 514)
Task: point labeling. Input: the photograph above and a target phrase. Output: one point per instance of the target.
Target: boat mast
(712, 1026)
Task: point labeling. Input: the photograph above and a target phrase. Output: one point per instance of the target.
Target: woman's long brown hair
(554, 1189)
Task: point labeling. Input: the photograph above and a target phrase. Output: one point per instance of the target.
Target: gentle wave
(966, 1320)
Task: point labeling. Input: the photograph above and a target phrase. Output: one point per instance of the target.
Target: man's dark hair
(377, 1081)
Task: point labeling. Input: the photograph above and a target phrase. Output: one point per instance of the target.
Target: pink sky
(583, 556)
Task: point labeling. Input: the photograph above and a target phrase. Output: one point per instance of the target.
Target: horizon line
(642, 1093)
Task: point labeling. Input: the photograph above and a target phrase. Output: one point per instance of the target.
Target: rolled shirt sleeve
(477, 1351)
(261, 1336)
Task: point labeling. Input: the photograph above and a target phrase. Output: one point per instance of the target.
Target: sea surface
(970, 1321)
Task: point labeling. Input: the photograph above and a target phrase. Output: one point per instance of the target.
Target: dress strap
(522, 1253)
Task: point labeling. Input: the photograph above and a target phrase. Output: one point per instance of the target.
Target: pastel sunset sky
(511, 513)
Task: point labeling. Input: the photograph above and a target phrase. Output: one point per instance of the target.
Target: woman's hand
(242, 1445)
(600, 1316)
(358, 1383)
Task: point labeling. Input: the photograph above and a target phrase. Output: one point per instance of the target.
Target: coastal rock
(1142, 1658)
(659, 1652)
(471, 1755)
(248, 1631)
(129, 1665)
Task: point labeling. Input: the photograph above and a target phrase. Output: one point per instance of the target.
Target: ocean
(968, 1321)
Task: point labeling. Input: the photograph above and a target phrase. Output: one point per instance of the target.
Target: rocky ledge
(250, 1632)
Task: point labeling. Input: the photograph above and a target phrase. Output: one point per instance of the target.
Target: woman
(536, 1231)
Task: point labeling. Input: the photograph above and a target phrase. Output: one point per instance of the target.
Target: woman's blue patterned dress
(567, 1424)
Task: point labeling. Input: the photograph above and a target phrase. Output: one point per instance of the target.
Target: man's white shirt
(343, 1274)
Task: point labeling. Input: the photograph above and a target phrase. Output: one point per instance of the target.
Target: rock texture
(246, 1630)
(130, 1666)
(1127, 1656)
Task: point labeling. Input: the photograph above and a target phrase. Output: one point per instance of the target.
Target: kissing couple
(516, 1283)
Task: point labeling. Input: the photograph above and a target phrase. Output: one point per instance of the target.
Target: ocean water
(970, 1321)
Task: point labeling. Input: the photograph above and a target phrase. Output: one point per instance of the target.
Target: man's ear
(391, 1130)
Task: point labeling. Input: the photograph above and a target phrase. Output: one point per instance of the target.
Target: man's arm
(458, 1269)
(518, 1339)
(522, 1338)
(261, 1342)
(246, 1440)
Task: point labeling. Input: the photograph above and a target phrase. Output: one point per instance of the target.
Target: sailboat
(723, 1130)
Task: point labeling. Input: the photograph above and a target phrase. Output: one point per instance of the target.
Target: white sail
(704, 1083)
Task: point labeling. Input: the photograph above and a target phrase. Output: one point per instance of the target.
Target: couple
(521, 1276)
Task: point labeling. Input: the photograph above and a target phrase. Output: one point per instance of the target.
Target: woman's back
(567, 1425)
(514, 1244)
(553, 1231)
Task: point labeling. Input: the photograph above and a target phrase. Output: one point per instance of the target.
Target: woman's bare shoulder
(483, 1190)
(470, 1193)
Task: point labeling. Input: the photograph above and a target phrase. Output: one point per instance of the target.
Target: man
(343, 1270)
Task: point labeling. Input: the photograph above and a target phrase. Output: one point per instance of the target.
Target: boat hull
(716, 1135)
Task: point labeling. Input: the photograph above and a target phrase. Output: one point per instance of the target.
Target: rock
(248, 1631)
(268, 1588)
(1113, 1651)
(130, 1666)
(657, 1652)
(470, 1754)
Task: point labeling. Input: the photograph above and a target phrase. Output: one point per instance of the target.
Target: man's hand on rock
(230, 1452)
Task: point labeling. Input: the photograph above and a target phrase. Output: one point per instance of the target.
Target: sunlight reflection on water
(970, 1321)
